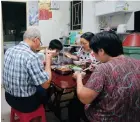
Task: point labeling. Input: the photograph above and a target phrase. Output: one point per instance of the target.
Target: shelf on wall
(72, 45)
(123, 33)
(75, 45)
(66, 45)
(115, 13)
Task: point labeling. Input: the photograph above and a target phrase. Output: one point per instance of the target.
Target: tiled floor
(5, 111)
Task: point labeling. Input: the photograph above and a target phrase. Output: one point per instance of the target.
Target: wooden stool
(27, 117)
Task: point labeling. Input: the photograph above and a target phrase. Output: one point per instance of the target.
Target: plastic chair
(27, 117)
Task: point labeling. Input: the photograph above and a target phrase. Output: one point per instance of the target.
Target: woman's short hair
(55, 44)
(87, 36)
(109, 42)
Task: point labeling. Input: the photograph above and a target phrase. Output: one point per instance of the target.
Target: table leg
(57, 104)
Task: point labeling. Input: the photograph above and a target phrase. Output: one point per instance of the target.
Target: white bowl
(77, 62)
(77, 69)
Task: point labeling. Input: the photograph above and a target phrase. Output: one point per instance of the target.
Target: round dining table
(63, 85)
(66, 81)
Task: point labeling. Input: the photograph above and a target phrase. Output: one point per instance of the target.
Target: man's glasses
(40, 41)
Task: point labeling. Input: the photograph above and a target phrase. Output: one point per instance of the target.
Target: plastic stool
(27, 117)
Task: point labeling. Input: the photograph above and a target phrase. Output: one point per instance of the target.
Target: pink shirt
(118, 82)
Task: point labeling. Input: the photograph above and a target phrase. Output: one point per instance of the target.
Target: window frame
(71, 15)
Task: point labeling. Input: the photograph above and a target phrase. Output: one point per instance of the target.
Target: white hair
(31, 32)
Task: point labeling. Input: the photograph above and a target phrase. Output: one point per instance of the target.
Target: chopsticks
(89, 66)
(68, 56)
(80, 49)
(86, 69)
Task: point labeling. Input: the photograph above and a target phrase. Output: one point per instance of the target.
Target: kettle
(121, 28)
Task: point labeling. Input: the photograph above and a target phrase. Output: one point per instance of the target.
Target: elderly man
(23, 71)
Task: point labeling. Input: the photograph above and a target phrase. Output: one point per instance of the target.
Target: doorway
(14, 22)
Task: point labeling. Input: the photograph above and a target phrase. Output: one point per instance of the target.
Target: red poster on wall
(44, 10)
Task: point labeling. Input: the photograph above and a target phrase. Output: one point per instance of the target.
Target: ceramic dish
(63, 70)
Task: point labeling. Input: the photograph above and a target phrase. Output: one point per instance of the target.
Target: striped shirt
(23, 71)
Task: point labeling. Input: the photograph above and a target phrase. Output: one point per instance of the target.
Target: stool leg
(12, 116)
(58, 109)
(43, 119)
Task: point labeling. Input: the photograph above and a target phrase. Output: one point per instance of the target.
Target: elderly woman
(112, 94)
(84, 54)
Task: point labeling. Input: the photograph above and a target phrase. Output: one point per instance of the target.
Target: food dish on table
(63, 70)
(75, 68)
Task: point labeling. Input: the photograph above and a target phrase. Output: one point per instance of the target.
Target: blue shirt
(23, 71)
